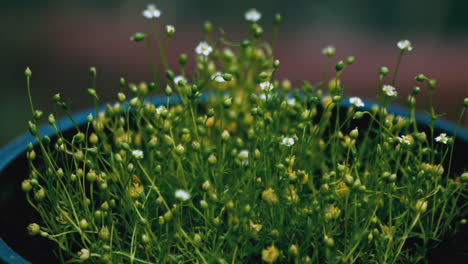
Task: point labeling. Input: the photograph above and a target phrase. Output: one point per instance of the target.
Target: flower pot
(16, 246)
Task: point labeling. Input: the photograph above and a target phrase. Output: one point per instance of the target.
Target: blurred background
(59, 40)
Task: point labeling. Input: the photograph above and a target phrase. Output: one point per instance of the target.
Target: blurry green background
(59, 40)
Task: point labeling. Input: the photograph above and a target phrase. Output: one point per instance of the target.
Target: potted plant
(238, 169)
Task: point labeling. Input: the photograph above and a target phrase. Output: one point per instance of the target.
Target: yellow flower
(270, 254)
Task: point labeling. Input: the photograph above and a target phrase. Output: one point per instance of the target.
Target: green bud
(27, 72)
(32, 128)
(420, 77)
(38, 114)
(33, 229)
(276, 64)
(263, 76)
(92, 71)
(121, 97)
(207, 27)
(51, 119)
(91, 176)
(92, 92)
(350, 60)
(212, 159)
(465, 103)
(210, 112)
(122, 82)
(245, 43)
(383, 71)
(26, 185)
(415, 90)
(40, 194)
(339, 66)
(89, 118)
(138, 36)
(84, 223)
(56, 97)
(278, 19)
(170, 75)
(431, 84)
(183, 59)
(227, 102)
(168, 90)
(354, 133)
(464, 177)
(227, 77)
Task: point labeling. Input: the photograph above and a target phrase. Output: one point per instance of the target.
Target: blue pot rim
(18, 146)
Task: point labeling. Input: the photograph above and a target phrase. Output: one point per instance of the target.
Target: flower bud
(278, 19)
(207, 27)
(420, 77)
(212, 159)
(33, 229)
(421, 206)
(339, 66)
(183, 59)
(27, 72)
(354, 133)
(383, 71)
(138, 36)
(350, 60)
(465, 103)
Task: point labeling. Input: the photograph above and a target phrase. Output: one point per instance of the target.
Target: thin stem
(397, 67)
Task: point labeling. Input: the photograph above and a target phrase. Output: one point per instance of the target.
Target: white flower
(203, 48)
(328, 51)
(442, 138)
(160, 109)
(182, 195)
(291, 101)
(170, 29)
(262, 97)
(405, 45)
(389, 90)
(252, 15)
(266, 86)
(356, 102)
(151, 12)
(288, 141)
(179, 78)
(217, 77)
(405, 139)
(138, 154)
(244, 155)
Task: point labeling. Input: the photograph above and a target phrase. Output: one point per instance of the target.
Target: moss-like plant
(238, 169)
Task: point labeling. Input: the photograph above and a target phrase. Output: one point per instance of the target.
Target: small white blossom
(151, 12)
(389, 90)
(266, 86)
(244, 155)
(203, 48)
(328, 51)
(288, 141)
(356, 102)
(442, 138)
(291, 101)
(179, 78)
(170, 29)
(405, 45)
(405, 139)
(252, 15)
(182, 195)
(160, 109)
(138, 154)
(262, 97)
(217, 77)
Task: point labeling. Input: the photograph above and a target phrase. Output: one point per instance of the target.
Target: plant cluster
(241, 168)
